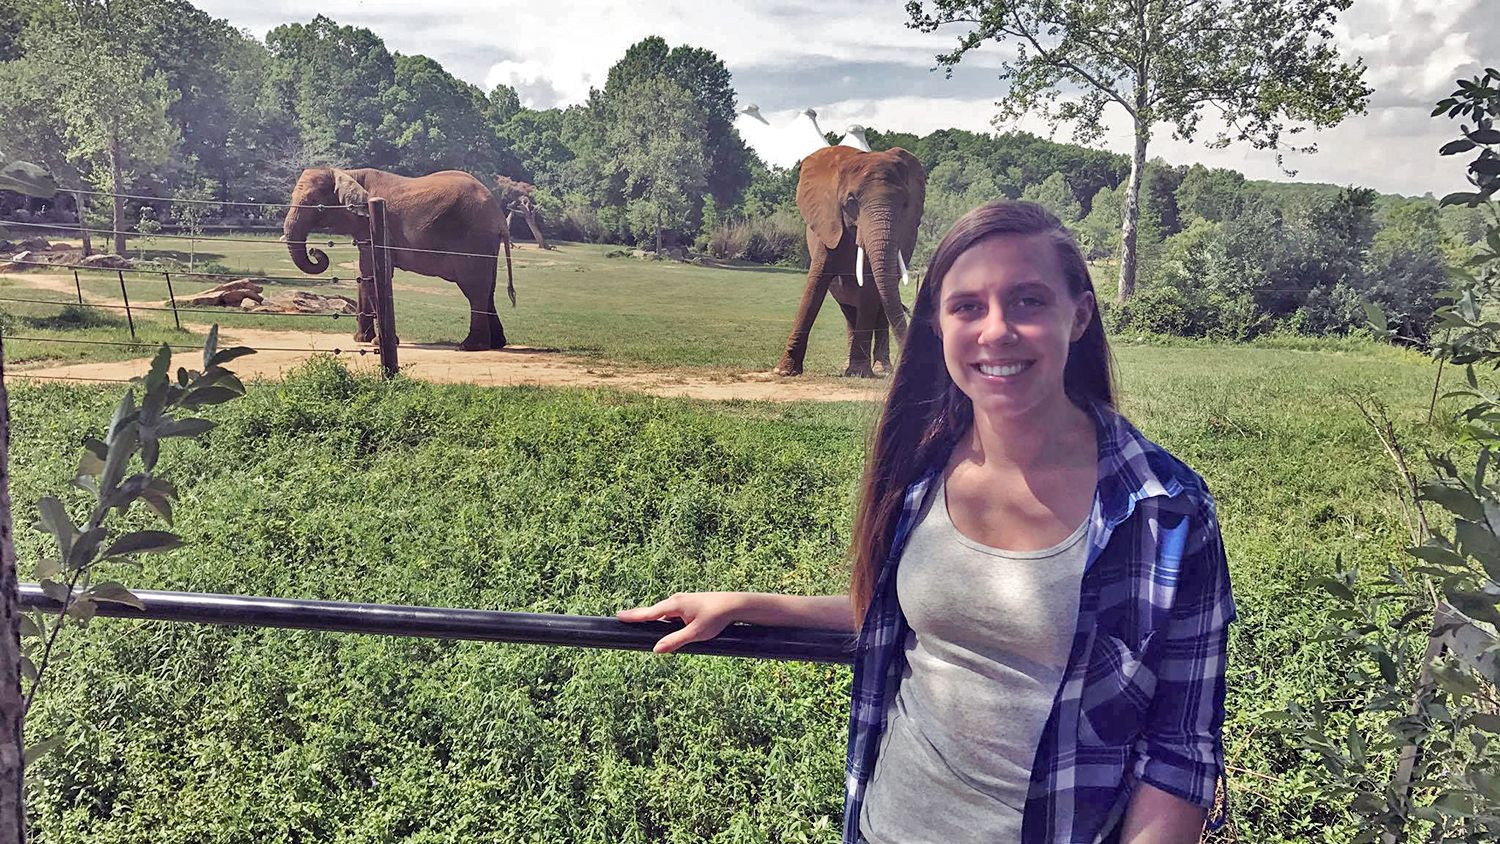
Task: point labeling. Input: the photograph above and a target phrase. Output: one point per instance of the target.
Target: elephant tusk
(905, 276)
(859, 266)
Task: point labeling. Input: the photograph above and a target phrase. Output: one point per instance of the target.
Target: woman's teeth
(1004, 369)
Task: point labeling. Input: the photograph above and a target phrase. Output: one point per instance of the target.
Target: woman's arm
(1156, 817)
(706, 614)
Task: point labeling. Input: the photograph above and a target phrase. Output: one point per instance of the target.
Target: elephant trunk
(299, 222)
(885, 262)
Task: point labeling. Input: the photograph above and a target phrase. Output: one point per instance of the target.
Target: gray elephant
(428, 218)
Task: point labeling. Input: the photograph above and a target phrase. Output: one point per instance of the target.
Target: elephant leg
(882, 341)
(484, 326)
(819, 274)
(861, 330)
(364, 331)
(364, 322)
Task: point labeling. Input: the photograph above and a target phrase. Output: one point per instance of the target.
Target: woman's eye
(1031, 302)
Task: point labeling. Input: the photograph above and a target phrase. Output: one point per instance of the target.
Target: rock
(36, 244)
(109, 262)
(250, 304)
(641, 253)
(230, 293)
(302, 302)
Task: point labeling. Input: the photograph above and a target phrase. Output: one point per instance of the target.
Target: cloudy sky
(854, 61)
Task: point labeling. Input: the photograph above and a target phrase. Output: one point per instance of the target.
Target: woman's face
(1006, 320)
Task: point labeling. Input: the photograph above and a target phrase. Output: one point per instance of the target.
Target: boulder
(230, 293)
(109, 262)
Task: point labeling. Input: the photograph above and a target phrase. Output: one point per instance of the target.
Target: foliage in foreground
(328, 486)
(1410, 738)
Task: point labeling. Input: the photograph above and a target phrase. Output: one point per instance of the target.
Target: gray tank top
(990, 634)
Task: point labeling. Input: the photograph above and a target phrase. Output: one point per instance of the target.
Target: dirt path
(284, 350)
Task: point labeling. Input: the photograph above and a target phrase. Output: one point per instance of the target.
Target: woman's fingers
(695, 631)
(665, 608)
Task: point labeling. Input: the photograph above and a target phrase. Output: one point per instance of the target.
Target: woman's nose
(996, 329)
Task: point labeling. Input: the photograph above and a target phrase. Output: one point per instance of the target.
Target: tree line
(156, 97)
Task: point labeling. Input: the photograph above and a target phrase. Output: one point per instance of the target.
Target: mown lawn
(582, 502)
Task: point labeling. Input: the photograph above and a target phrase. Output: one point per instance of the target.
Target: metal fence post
(385, 304)
(173, 297)
(78, 285)
(126, 296)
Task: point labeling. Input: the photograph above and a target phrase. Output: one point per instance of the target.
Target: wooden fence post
(126, 296)
(12, 712)
(385, 300)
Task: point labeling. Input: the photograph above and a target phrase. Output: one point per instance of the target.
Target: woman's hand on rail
(704, 614)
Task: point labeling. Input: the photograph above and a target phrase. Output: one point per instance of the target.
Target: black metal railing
(789, 643)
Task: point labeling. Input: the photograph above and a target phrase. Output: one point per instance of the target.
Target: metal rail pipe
(788, 643)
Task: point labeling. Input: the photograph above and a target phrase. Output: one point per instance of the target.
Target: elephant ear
(351, 194)
(819, 194)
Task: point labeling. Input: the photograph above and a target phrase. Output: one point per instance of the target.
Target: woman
(1040, 592)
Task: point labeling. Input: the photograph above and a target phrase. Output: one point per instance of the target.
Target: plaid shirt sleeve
(1181, 750)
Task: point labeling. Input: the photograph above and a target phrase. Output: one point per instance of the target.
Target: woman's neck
(1048, 436)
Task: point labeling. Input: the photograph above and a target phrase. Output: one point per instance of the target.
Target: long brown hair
(926, 413)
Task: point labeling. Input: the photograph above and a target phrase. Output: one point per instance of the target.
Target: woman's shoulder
(1139, 467)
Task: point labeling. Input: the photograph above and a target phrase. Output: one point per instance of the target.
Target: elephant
(862, 210)
(426, 217)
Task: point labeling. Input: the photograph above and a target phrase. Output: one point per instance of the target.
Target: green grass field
(586, 501)
(574, 299)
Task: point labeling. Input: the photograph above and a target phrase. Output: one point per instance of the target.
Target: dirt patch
(282, 351)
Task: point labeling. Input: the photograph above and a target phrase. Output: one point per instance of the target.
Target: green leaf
(91, 462)
(143, 542)
(1336, 588)
(210, 395)
(115, 593)
(1485, 136)
(1455, 681)
(42, 748)
(54, 519)
(227, 355)
(1459, 502)
(48, 567)
(1409, 616)
(210, 346)
(190, 427)
(1376, 317)
(1486, 721)
(83, 609)
(1477, 541)
(1487, 166)
(1438, 555)
(121, 449)
(1475, 605)
(1460, 198)
(28, 627)
(1456, 147)
(84, 548)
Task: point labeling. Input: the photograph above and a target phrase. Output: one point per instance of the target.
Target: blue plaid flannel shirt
(1142, 697)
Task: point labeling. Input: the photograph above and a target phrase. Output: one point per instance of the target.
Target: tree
(1054, 194)
(703, 75)
(1209, 194)
(334, 78)
(1265, 66)
(436, 121)
(112, 108)
(657, 129)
